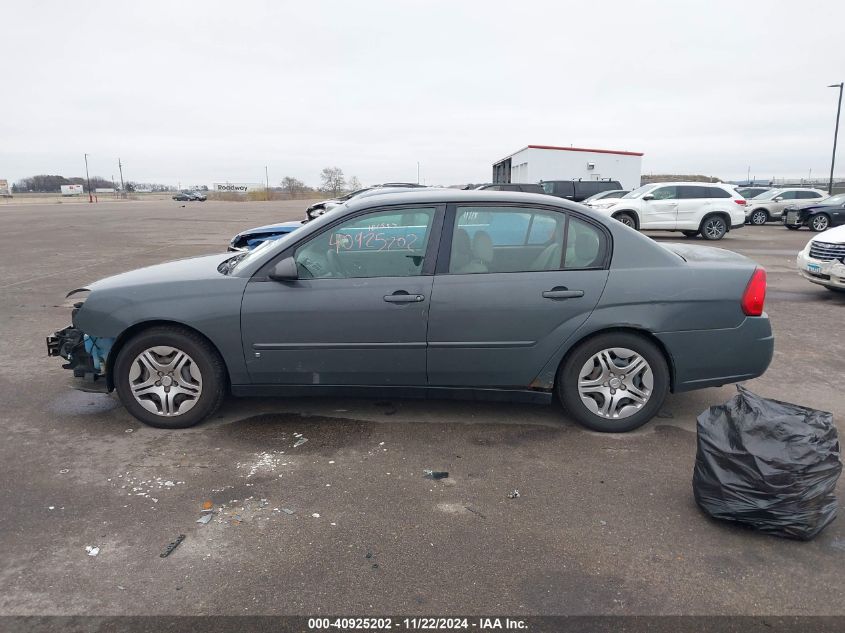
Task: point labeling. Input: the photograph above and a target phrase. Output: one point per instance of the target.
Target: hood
(192, 269)
(272, 228)
(831, 236)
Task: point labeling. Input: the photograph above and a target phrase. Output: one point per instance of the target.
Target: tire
(791, 227)
(819, 223)
(583, 366)
(836, 290)
(193, 370)
(690, 234)
(759, 217)
(714, 228)
(627, 219)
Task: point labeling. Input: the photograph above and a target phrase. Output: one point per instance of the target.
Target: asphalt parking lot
(604, 524)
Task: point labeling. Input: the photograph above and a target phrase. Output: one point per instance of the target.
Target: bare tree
(333, 180)
(292, 185)
(354, 184)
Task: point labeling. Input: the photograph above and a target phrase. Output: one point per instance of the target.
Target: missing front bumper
(86, 356)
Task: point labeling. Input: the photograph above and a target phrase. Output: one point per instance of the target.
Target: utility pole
(748, 177)
(835, 134)
(266, 183)
(120, 167)
(418, 172)
(88, 178)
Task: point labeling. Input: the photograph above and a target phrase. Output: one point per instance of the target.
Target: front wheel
(170, 377)
(759, 217)
(614, 382)
(819, 223)
(714, 228)
(627, 219)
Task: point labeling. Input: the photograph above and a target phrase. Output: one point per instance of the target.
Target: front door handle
(562, 292)
(400, 296)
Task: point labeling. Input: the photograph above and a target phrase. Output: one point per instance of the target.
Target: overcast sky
(202, 92)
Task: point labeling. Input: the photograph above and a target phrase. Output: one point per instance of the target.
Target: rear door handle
(561, 292)
(400, 296)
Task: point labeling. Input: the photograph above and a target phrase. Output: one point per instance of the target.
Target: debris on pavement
(287, 510)
(474, 511)
(300, 442)
(207, 505)
(64, 471)
(92, 550)
(316, 515)
(767, 464)
(172, 546)
(513, 494)
(205, 518)
(435, 474)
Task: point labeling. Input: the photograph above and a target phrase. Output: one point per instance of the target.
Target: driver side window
(382, 244)
(665, 193)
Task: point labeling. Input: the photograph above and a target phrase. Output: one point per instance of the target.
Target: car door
(781, 201)
(660, 208)
(357, 314)
(513, 283)
(692, 203)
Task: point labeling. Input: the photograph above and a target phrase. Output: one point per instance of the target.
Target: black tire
(713, 228)
(759, 217)
(207, 360)
(627, 219)
(567, 381)
(690, 234)
(819, 223)
(792, 227)
(837, 290)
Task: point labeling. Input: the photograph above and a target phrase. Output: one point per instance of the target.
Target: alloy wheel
(615, 383)
(759, 217)
(820, 223)
(165, 381)
(714, 228)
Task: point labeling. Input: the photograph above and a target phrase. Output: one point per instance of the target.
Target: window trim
(430, 257)
(448, 229)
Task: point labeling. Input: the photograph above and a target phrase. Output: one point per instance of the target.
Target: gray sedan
(430, 293)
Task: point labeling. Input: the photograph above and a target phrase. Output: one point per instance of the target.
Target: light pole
(120, 167)
(266, 183)
(418, 172)
(835, 134)
(88, 178)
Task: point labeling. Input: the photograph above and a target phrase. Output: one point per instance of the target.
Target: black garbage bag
(767, 464)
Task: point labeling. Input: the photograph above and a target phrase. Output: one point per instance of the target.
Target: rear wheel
(759, 217)
(614, 382)
(690, 233)
(819, 223)
(627, 219)
(169, 377)
(714, 228)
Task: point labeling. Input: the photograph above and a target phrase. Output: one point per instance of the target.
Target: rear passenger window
(584, 245)
(690, 192)
(506, 240)
(808, 195)
(665, 193)
(788, 195)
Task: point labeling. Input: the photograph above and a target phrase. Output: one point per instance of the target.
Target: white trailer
(534, 163)
(72, 190)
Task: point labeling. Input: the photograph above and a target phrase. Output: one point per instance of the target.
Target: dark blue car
(249, 239)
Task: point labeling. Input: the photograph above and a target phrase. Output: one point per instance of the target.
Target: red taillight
(755, 294)
(740, 201)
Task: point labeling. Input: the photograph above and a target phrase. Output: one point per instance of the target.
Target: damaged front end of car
(86, 355)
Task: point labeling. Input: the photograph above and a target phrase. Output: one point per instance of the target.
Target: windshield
(352, 194)
(768, 195)
(639, 193)
(833, 201)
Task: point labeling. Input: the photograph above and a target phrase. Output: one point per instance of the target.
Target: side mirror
(648, 196)
(778, 199)
(285, 270)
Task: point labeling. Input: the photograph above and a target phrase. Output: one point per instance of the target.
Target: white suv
(770, 205)
(691, 207)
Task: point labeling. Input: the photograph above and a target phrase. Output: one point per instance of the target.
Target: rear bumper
(711, 358)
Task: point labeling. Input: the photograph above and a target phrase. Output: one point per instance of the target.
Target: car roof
(438, 195)
(696, 183)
